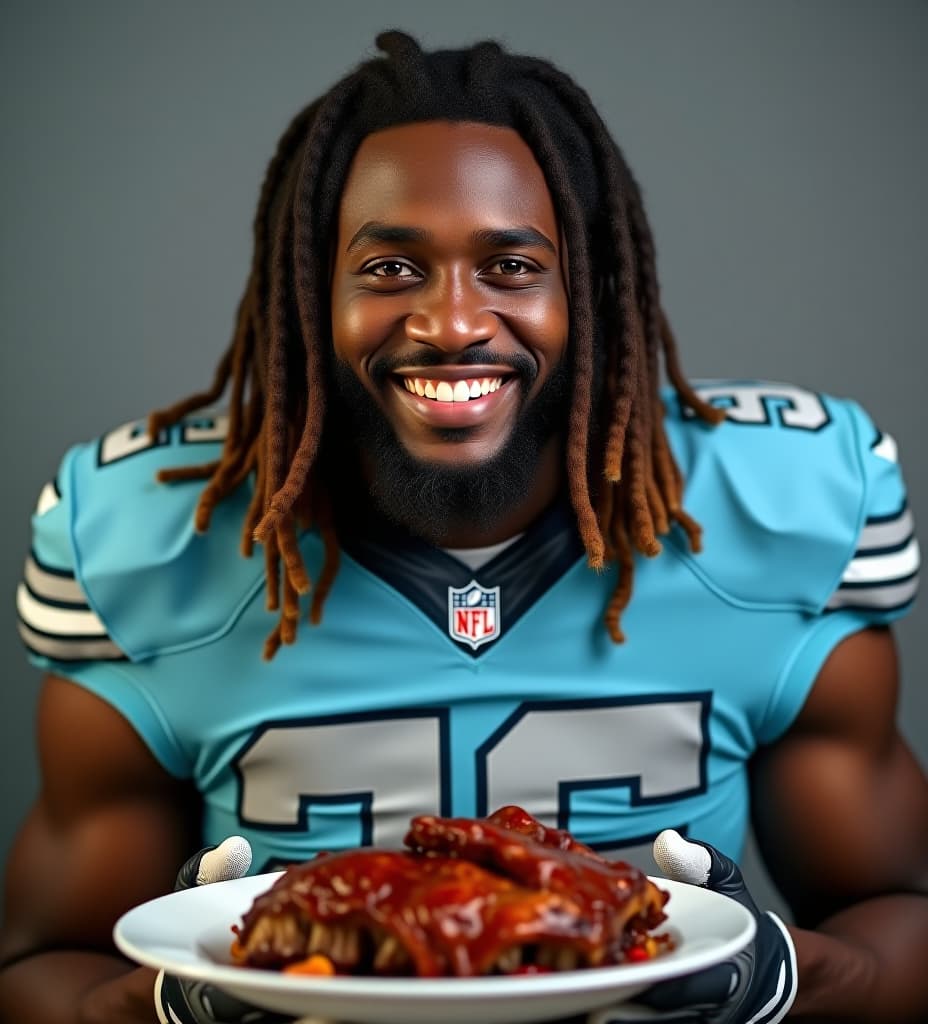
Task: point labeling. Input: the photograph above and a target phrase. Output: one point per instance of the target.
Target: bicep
(109, 830)
(840, 805)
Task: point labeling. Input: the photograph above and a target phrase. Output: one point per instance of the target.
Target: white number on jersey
(396, 766)
(132, 438)
(763, 402)
(386, 764)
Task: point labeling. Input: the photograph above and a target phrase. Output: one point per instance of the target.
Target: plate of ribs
(498, 919)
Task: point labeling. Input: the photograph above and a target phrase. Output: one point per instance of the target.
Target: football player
(446, 544)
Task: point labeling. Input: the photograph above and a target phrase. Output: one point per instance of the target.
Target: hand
(182, 1001)
(757, 986)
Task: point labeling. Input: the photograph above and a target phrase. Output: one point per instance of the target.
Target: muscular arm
(108, 831)
(841, 815)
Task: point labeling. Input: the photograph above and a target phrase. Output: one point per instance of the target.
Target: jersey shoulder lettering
(802, 501)
(116, 568)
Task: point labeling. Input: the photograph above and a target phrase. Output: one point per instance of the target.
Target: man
(445, 434)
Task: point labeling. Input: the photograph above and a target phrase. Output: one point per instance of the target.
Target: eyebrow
(513, 238)
(375, 231)
(496, 238)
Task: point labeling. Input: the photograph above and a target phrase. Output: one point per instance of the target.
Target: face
(449, 305)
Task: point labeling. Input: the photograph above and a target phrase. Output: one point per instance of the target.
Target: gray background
(781, 147)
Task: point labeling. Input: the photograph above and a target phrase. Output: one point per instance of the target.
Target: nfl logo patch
(473, 614)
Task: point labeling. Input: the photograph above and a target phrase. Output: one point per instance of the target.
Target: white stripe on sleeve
(64, 622)
(48, 499)
(886, 448)
(896, 565)
(886, 533)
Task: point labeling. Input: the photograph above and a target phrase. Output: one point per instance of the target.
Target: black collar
(523, 571)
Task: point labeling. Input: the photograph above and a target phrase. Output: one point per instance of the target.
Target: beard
(434, 500)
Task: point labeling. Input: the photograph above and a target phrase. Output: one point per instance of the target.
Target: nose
(451, 315)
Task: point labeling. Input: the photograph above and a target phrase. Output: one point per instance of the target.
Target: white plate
(188, 934)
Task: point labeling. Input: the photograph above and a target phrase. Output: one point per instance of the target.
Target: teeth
(446, 391)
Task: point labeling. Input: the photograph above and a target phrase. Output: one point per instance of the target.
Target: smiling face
(449, 306)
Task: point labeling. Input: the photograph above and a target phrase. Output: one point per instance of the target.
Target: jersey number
(132, 438)
(396, 765)
(763, 403)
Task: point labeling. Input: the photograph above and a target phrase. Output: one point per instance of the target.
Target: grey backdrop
(781, 147)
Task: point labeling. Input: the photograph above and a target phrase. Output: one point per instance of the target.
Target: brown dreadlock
(277, 360)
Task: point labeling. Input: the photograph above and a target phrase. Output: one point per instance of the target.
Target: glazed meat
(469, 897)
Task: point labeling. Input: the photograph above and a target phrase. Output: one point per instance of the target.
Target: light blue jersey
(432, 688)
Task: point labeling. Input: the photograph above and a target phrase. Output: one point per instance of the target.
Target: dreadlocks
(624, 485)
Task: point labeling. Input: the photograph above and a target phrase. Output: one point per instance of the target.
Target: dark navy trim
(138, 428)
(642, 840)
(52, 602)
(65, 574)
(567, 788)
(888, 517)
(524, 571)
(364, 797)
(872, 609)
(772, 401)
(890, 549)
(878, 584)
(199, 423)
(78, 642)
(65, 637)
(439, 714)
(66, 660)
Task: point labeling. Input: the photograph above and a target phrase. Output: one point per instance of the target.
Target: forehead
(414, 173)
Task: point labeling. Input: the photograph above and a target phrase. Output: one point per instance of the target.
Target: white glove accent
(159, 1005)
(778, 1001)
(230, 859)
(680, 859)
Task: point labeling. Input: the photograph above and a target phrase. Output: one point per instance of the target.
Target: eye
(391, 268)
(512, 266)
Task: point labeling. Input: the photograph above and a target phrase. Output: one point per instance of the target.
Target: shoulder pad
(801, 500)
(116, 568)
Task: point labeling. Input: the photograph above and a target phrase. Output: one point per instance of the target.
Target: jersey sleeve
(881, 577)
(117, 578)
(806, 519)
(802, 502)
(117, 570)
(55, 618)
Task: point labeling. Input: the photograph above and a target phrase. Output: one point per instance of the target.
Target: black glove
(756, 986)
(182, 1001)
